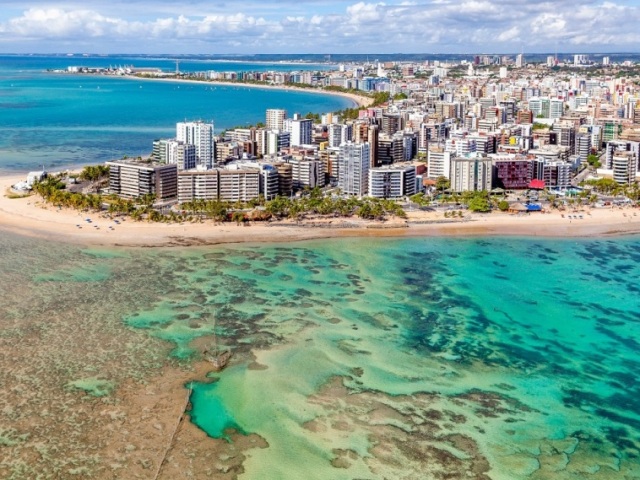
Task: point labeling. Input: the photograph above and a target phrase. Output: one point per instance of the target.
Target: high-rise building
(556, 108)
(197, 185)
(275, 119)
(307, 172)
(353, 168)
(199, 134)
(524, 116)
(285, 178)
(438, 163)
(239, 185)
(390, 148)
(513, 173)
(161, 149)
(625, 167)
(539, 107)
(565, 135)
(583, 145)
(519, 60)
(373, 136)
(182, 154)
(614, 147)
(580, 60)
(300, 130)
(392, 181)
(471, 173)
(391, 123)
(460, 146)
(557, 174)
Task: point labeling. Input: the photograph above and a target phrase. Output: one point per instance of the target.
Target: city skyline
(439, 26)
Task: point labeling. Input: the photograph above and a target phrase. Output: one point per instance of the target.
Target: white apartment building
(471, 173)
(460, 146)
(182, 154)
(392, 181)
(353, 168)
(199, 134)
(539, 107)
(275, 119)
(239, 185)
(438, 163)
(300, 130)
(227, 185)
(339, 134)
(625, 167)
(276, 140)
(307, 172)
(556, 108)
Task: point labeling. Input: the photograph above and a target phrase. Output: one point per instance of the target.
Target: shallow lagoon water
(408, 358)
(499, 357)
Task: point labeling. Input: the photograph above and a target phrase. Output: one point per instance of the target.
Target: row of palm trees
(609, 186)
(313, 203)
(52, 191)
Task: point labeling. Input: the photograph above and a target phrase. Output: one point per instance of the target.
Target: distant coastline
(360, 101)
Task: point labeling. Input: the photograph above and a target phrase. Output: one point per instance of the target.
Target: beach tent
(517, 208)
(534, 207)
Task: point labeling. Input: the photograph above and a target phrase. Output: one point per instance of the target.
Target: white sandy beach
(358, 100)
(30, 216)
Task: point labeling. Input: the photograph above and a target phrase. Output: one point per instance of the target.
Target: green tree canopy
(442, 183)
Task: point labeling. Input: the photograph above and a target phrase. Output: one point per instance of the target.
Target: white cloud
(509, 35)
(305, 26)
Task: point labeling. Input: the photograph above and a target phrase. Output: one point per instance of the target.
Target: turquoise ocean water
(60, 120)
(410, 358)
(357, 358)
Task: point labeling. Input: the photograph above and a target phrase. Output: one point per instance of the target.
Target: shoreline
(359, 101)
(29, 216)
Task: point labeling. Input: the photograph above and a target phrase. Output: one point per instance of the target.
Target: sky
(310, 26)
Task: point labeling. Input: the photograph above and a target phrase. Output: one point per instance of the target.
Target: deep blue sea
(60, 120)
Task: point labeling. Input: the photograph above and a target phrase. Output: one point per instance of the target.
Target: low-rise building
(197, 185)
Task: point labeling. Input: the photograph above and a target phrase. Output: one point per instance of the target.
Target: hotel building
(130, 179)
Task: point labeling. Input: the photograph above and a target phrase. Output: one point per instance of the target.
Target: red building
(513, 174)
